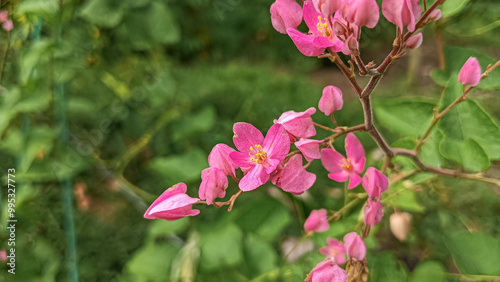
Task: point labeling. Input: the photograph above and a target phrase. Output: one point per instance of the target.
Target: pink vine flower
(327, 271)
(298, 125)
(335, 249)
(354, 246)
(285, 14)
(293, 177)
(375, 182)
(402, 13)
(173, 204)
(342, 168)
(213, 184)
(317, 221)
(258, 157)
(320, 36)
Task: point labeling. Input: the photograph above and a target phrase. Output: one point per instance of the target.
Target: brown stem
(324, 127)
(347, 72)
(220, 204)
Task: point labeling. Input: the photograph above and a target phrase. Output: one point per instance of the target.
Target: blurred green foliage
(152, 85)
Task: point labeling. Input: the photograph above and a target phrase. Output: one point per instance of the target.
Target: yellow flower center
(323, 28)
(257, 154)
(347, 164)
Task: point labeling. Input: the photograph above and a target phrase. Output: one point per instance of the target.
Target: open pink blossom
(373, 212)
(327, 7)
(293, 177)
(402, 13)
(341, 168)
(173, 204)
(415, 41)
(354, 246)
(327, 271)
(258, 156)
(285, 14)
(219, 158)
(317, 221)
(335, 249)
(309, 148)
(361, 12)
(8, 25)
(331, 100)
(213, 184)
(470, 73)
(4, 15)
(3, 256)
(375, 182)
(299, 125)
(320, 34)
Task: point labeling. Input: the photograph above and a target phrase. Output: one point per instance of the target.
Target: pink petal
(470, 73)
(311, 17)
(304, 43)
(361, 12)
(354, 180)
(277, 143)
(172, 204)
(299, 124)
(340, 176)
(254, 178)
(332, 160)
(8, 25)
(4, 15)
(242, 160)
(294, 178)
(246, 136)
(317, 221)
(355, 152)
(327, 271)
(285, 14)
(331, 100)
(327, 7)
(213, 185)
(375, 182)
(354, 246)
(219, 157)
(309, 148)
(415, 41)
(373, 212)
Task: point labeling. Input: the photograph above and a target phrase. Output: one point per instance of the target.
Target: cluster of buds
(7, 24)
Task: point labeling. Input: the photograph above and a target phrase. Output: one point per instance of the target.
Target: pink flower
(285, 14)
(361, 12)
(327, 7)
(341, 168)
(219, 158)
(213, 184)
(335, 249)
(354, 246)
(317, 221)
(320, 34)
(173, 204)
(375, 182)
(299, 125)
(8, 25)
(294, 178)
(374, 211)
(327, 271)
(3, 256)
(402, 13)
(258, 156)
(470, 73)
(309, 148)
(415, 41)
(4, 15)
(331, 100)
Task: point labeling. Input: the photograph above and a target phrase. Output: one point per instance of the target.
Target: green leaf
(193, 124)
(150, 25)
(475, 253)
(32, 56)
(456, 57)
(452, 7)
(260, 256)
(384, 267)
(428, 271)
(161, 228)
(151, 262)
(403, 198)
(468, 154)
(49, 7)
(181, 168)
(430, 153)
(104, 13)
(265, 217)
(221, 246)
(468, 121)
(404, 116)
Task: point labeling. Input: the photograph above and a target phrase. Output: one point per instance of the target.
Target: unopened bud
(338, 28)
(352, 43)
(415, 41)
(435, 15)
(400, 225)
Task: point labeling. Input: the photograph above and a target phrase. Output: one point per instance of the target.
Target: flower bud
(309, 148)
(331, 100)
(435, 15)
(285, 14)
(352, 43)
(338, 28)
(470, 74)
(415, 41)
(317, 221)
(213, 184)
(400, 225)
(219, 158)
(373, 212)
(375, 182)
(4, 15)
(173, 204)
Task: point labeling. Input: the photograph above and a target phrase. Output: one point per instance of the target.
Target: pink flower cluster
(7, 24)
(336, 24)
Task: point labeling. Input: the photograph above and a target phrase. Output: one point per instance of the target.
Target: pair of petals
(470, 73)
(402, 13)
(335, 250)
(375, 182)
(276, 146)
(354, 246)
(327, 271)
(298, 124)
(293, 177)
(373, 212)
(341, 168)
(213, 184)
(317, 221)
(173, 204)
(361, 12)
(331, 100)
(285, 14)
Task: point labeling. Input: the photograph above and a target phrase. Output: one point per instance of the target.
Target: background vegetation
(106, 103)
